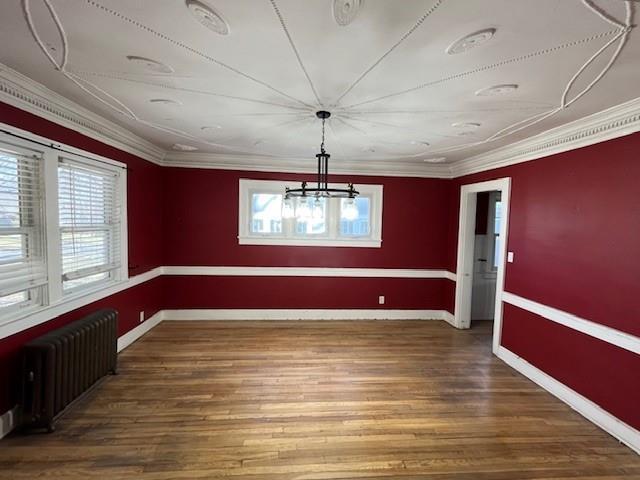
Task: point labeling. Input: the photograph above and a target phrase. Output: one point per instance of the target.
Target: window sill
(310, 242)
(42, 313)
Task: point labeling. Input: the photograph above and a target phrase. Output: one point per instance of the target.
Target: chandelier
(309, 199)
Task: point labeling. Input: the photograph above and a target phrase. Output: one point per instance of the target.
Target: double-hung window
(265, 219)
(62, 225)
(23, 270)
(89, 213)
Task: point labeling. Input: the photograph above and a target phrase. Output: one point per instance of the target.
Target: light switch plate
(510, 257)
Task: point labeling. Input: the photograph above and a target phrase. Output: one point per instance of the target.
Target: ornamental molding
(614, 122)
(20, 91)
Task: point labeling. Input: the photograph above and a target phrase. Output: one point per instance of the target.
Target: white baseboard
(8, 421)
(132, 335)
(302, 314)
(449, 317)
(585, 407)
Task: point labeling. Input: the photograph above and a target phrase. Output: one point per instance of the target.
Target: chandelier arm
(322, 189)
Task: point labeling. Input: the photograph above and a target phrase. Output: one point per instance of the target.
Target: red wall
(202, 230)
(144, 192)
(303, 292)
(574, 227)
(605, 374)
(202, 227)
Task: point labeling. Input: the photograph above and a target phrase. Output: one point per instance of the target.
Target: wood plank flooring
(317, 400)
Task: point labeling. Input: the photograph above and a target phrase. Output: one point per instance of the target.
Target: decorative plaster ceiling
(407, 82)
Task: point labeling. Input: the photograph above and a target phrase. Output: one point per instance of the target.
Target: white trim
(466, 237)
(301, 314)
(50, 312)
(133, 335)
(8, 421)
(309, 242)
(585, 407)
(264, 163)
(49, 144)
(614, 122)
(309, 272)
(450, 318)
(601, 332)
(33, 97)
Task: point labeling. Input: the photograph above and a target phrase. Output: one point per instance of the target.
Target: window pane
(22, 266)
(89, 279)
(13, 299)
(361, 225)
(9, 192)
(82, 250)
(266, 213)
(12, 248)
(315, 223)
(498, 217)
(496, 252)
(89, 223)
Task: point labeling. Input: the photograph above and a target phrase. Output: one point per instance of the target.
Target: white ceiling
(394, 92)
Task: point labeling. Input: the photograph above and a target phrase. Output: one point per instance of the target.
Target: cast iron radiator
(59, 367)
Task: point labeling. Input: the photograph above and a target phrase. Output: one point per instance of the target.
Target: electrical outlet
(510, 257)
(381, 300)
(142, 316)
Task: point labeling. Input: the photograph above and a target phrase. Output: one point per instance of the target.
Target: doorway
(482, 242)
(486, 255)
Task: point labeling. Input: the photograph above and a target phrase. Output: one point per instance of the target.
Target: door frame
(466, 238)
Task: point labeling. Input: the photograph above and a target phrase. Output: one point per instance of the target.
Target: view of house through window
(61, 226)
(265, 218)
(22, 267)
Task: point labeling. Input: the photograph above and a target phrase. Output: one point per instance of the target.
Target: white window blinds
(23, 272)
(90, 224)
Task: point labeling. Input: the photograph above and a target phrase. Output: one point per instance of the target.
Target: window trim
(246, 187)
(54, 298)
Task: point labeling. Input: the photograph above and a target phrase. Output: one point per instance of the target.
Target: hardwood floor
(318, 400)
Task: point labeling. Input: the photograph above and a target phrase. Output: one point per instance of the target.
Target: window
(89, 224)
(62, 225)
(326, 222)
(495, 218)
(23, 273)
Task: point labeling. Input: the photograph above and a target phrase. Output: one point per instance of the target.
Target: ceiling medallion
(497, 90)
(471, 41)
(181, 147)
(208, 17)
(303, 210)
(346, 11)
(151, 65)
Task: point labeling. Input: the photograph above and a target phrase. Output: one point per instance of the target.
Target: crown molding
(614, 122)
(22, 92)
(263, 163)
(26, 94)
